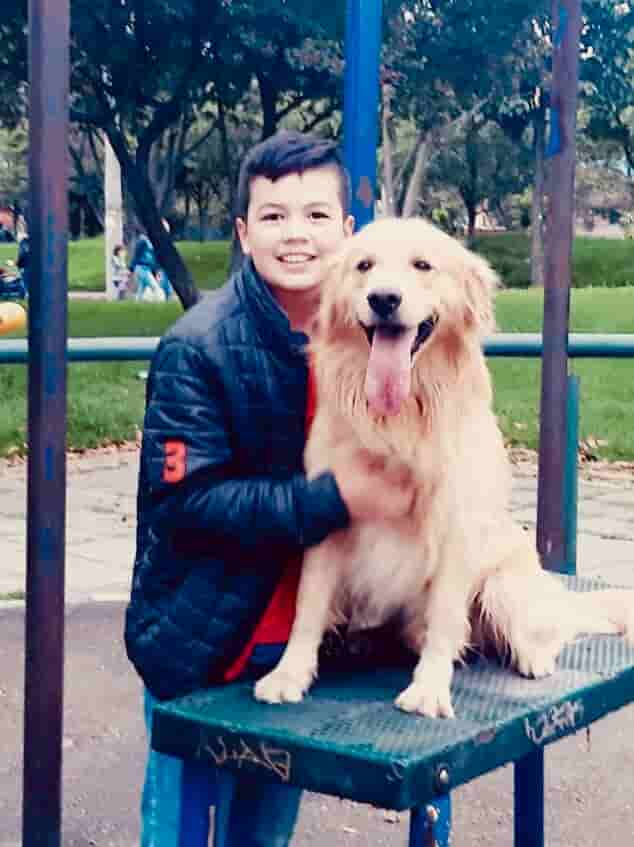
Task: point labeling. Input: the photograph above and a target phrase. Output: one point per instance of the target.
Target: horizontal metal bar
(16, 351)
(581, 345)
(509, 344)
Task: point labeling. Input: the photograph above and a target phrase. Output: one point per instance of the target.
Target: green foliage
(607, 72)
(13, 167)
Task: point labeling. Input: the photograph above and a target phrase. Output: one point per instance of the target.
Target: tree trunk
(226, 155)
(389, 205)
(137, 181)
(471, 217)
(114, 214)
(166, 253)
(537, 208)
(268, 101)
(412, 195)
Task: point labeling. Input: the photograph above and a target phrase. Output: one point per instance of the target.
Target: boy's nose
(293, 230)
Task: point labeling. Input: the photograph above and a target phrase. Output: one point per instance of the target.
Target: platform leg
(225, 792)
(430, 825)
(199, 793)
(529, 800)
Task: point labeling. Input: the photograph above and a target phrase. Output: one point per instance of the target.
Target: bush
(596, 262)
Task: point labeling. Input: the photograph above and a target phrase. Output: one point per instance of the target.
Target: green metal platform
(348, 739)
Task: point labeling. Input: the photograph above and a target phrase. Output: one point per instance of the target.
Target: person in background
(24, 260)
(120, 272)
(145, 268)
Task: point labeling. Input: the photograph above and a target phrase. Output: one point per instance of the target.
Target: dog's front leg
(289, 681)
(440, 635)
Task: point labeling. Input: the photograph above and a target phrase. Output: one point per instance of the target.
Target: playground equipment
(12, 317)
(420, 776)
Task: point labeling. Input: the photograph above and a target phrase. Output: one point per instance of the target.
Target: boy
(224, 507)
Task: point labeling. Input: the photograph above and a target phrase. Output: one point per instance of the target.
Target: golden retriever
(400, 372)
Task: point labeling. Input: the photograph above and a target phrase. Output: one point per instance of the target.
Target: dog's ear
(481, 282)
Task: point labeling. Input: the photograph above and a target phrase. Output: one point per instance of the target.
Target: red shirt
(275, 624)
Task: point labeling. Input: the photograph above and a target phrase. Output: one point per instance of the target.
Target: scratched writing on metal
(557, 720)
(223, 750)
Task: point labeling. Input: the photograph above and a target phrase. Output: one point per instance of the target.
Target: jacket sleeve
(188, 464)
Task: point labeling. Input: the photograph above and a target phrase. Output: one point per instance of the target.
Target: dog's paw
(434, 703)
(281, 687)
(537, 660)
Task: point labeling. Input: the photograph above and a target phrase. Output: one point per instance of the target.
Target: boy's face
(293, 225)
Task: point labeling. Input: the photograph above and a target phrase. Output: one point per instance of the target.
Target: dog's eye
(365, 265)
(421, 265)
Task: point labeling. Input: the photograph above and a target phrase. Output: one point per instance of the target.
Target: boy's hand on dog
(374, 487)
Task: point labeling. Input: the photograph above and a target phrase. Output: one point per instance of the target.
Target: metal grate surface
(348, 739)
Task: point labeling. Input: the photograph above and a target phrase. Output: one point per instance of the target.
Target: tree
(442, 65)
(144, 73)
(13, 170)
(484, 166)
(607, 72)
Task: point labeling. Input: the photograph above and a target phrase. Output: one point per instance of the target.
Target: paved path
(101, 525)
(588, 777)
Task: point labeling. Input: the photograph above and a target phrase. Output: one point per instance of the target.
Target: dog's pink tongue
(388, 378)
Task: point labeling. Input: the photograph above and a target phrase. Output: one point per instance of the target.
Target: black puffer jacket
(223, 501)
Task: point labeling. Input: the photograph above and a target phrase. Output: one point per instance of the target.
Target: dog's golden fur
(458, 550)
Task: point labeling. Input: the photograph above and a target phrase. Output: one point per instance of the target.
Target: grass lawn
(207, 262)
(598, 262)
(106, 400)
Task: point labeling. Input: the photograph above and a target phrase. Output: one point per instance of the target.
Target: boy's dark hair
(289, 152)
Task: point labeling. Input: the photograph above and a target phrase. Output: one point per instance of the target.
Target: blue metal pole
(571, 476)
(431, 824)
(49, 26)
(361, 103)
(528, 774)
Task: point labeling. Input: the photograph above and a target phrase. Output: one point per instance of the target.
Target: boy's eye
(271, 216)
(319, 216)
(365, 265)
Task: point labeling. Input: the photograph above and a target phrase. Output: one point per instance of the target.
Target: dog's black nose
(384, 303)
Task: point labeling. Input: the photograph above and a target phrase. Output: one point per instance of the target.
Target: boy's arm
(187, 461)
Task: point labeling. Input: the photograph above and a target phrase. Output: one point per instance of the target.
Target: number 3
(175, 464)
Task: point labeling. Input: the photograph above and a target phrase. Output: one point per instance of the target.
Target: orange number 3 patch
(175, 464)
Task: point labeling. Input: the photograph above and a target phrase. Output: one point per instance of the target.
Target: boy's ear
(241, 231)
(348, 225)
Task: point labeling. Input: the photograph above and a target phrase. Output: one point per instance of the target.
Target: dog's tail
(604, 611)
(529, 614)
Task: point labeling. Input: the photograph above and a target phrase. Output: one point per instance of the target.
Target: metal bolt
(432, 814)
(442, 777)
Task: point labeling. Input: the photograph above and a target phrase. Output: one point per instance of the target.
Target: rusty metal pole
(551, 542)
(46, 485)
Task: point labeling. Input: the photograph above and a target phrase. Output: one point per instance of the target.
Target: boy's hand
(374, 487)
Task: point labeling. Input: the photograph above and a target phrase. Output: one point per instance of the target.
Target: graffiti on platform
(558, 720)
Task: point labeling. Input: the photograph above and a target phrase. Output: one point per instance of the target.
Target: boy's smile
(293, 225)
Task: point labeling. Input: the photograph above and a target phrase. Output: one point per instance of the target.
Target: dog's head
(397, 288)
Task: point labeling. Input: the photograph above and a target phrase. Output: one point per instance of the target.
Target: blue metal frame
(49, 28)
(361, 103)
(49, 72)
